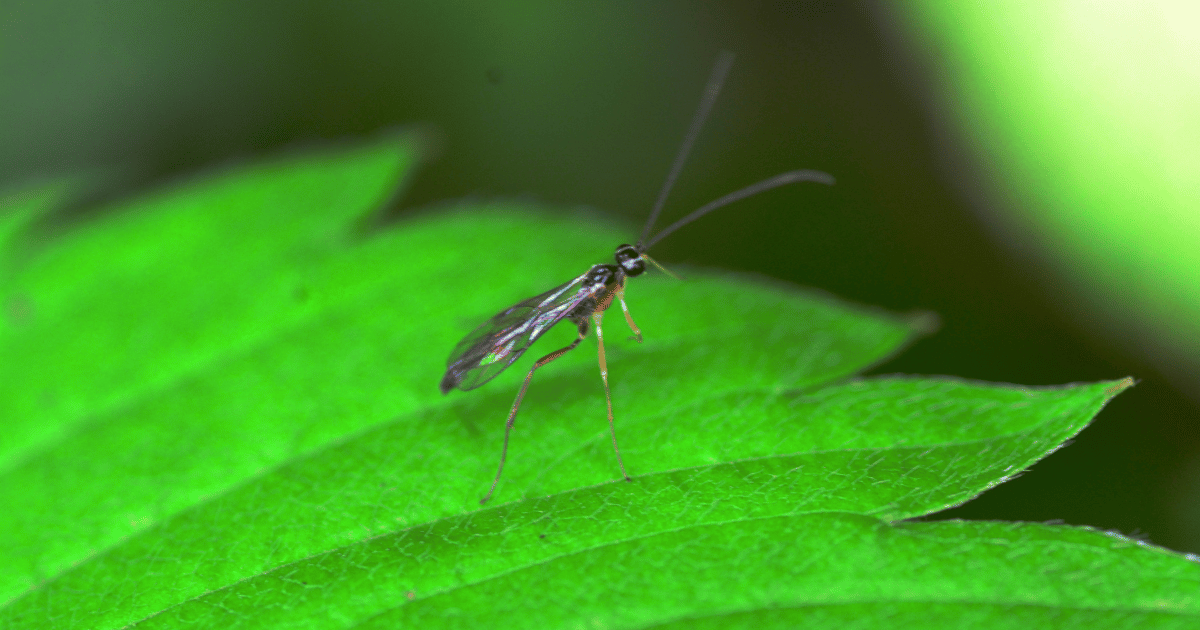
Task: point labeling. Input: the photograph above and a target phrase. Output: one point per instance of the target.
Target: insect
(497, 343)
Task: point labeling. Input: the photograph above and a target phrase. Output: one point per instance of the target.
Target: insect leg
(512, 415)
(596, 317)
(637, 334)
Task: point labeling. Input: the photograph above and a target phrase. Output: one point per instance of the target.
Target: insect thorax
(601, 277)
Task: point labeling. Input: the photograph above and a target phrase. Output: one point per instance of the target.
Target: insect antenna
(715, 81)
(781, 179)
(660, 267)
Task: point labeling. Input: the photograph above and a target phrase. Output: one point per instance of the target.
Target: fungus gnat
(501, 340)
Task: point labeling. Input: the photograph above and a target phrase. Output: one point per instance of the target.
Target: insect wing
(501, 340)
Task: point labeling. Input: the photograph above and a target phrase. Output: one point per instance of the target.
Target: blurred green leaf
(226, 414)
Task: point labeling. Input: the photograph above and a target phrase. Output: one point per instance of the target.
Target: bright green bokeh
(1085, 117)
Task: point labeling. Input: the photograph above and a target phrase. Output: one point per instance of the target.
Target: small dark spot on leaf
(303, 582)
(541, 535)
(301, 294)
(411, 595)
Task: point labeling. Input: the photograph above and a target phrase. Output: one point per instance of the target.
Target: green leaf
(226, 414)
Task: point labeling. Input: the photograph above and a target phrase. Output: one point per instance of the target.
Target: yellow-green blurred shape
(1085, 118)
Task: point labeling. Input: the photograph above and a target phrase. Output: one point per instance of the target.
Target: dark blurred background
(584, 103)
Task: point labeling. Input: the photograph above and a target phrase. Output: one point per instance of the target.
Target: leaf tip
(1117, 387)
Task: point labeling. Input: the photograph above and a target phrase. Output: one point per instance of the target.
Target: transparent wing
(501, 340)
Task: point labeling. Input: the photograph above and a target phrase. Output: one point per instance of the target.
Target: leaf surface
(225, 413)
